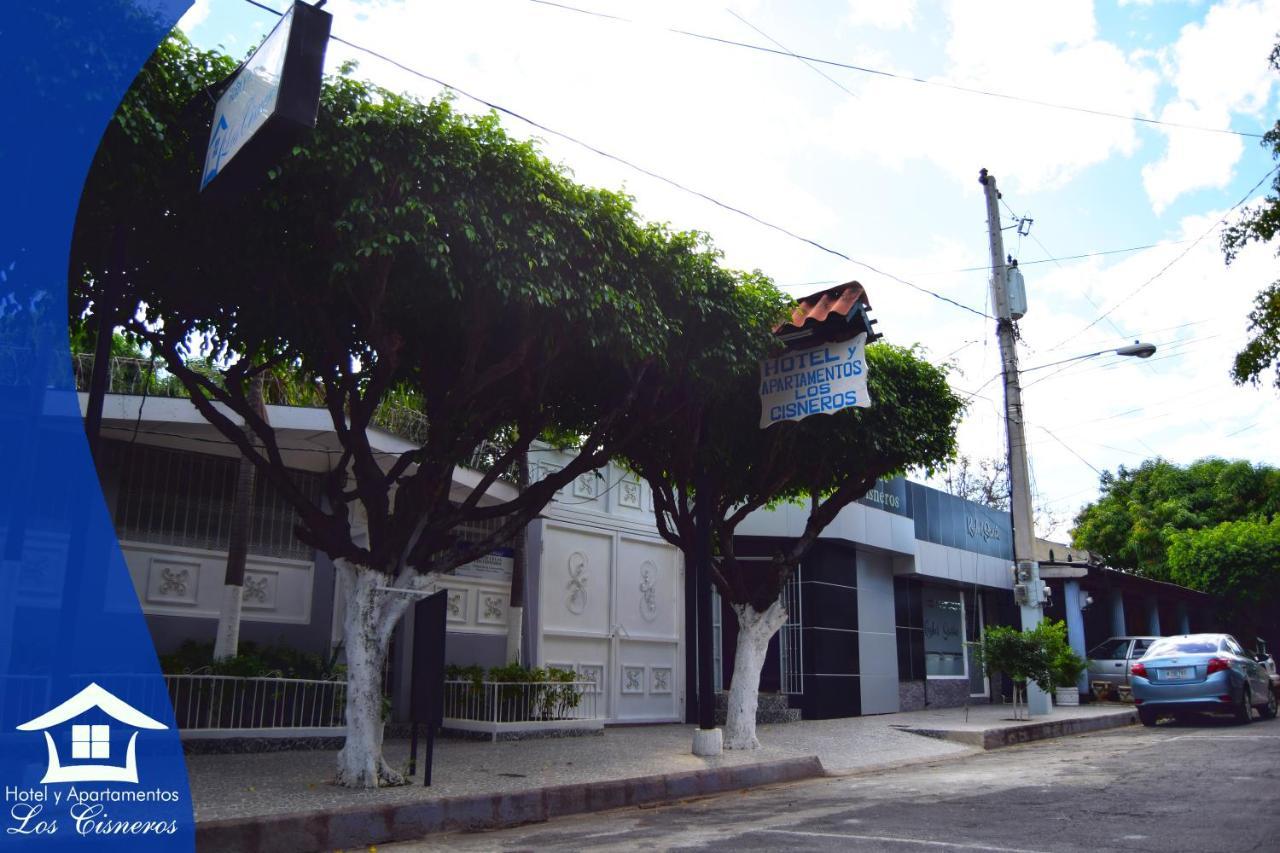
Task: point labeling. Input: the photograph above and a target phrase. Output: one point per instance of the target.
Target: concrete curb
(360, 826)
(1010, 735)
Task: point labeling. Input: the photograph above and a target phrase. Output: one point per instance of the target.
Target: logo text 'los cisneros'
(81, 723)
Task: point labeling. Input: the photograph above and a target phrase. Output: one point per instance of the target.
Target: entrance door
(611, 606)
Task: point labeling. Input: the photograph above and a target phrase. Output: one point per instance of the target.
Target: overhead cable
(1222, 221)
(879, 72)
(642, 170)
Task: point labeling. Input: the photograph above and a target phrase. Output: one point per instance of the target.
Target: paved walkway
(245, 786)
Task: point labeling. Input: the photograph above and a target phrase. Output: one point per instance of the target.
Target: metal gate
(790, 639)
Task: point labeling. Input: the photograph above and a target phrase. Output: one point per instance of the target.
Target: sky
(881, 165)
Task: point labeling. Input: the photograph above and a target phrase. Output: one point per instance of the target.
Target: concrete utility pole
(1029, 590)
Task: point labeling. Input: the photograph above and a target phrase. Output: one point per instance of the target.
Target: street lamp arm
(1140, 350)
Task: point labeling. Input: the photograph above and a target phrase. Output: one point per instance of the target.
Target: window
(1111, 650)
(174, 497)
(943, 633)
(1140, 648)
(1186, 647)
(90, 741)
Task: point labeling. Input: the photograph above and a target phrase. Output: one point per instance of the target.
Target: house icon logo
(91, 741)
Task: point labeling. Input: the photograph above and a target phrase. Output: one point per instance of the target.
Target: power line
(1056, 260)
(1166, 267)
(642, 170)
(878, 72)
(833, 81)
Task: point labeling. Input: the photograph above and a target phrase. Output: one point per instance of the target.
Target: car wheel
(1268, 711)
(1244, 711)
(1147, 716)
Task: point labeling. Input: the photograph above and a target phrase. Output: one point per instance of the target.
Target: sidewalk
(281, 801)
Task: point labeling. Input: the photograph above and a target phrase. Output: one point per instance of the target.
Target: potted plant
(1065, 665)
(1020, 655)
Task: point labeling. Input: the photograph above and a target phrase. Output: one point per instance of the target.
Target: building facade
(884, 609)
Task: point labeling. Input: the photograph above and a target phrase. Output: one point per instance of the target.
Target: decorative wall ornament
(255, 589)
(174, 581)
(648, 592)
(456, 605)
(629, 493)
(633, 679)
(493, 610)
(595, 674)
(576, 600)
(584, 485)
(660, 679)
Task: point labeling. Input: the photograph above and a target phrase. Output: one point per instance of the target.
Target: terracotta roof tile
(812, 310)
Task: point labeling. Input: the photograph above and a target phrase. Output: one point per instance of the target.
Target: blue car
(1200, 672)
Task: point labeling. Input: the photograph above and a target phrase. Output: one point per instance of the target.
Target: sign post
(426, 696)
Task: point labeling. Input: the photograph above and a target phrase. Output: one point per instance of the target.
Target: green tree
(1239, 561)
(1260, 224)
(1131, 523)
(401, 251)
(712, 466)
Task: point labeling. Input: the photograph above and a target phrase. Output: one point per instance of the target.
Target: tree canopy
(1141, 508)
(1260, 224)
(400, 251)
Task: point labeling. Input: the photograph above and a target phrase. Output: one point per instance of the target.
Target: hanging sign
(817, 381)
(275, 95)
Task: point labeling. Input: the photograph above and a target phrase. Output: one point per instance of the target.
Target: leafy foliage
(715, 459)
(1141, 509)
(407, 252)
(1260, 224)
(1239, 561)
(1021, 655)
(253, 660)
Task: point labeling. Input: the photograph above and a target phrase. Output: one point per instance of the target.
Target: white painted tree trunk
(755, 629)
(227, 643)
(365, 637)
(515, 629)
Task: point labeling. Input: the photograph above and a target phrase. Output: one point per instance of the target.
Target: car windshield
(1188, 646)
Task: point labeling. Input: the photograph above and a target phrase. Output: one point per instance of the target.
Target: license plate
(1175, 673)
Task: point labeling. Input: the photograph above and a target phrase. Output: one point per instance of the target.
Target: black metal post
(413, 749)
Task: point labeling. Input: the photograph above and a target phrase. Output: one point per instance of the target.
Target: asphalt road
(1204, 786)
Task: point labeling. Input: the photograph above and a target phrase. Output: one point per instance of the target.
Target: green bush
(252, 661)
(546, 701)
(1021, 655)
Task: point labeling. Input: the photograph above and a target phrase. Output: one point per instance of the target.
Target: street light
(1137, 349)
(1029, 591)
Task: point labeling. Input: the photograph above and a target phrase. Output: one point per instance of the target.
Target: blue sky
(886, 172)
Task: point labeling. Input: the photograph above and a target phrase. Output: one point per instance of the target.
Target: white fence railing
(231, 705)
(496, 706)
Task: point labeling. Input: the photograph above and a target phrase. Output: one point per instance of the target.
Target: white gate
(611, 608)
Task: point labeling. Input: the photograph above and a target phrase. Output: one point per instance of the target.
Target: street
(1207, 785)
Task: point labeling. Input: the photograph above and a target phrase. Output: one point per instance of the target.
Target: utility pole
(1029, 590)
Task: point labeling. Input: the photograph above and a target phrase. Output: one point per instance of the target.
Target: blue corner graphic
(90, 758)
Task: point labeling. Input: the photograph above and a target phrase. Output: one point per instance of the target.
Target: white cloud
(882, 14)
(1045, 53)
(195, 16)
(1218, 68)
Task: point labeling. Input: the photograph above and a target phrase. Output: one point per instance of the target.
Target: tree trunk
(755, 629)
(365, 637)
(226, 642)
